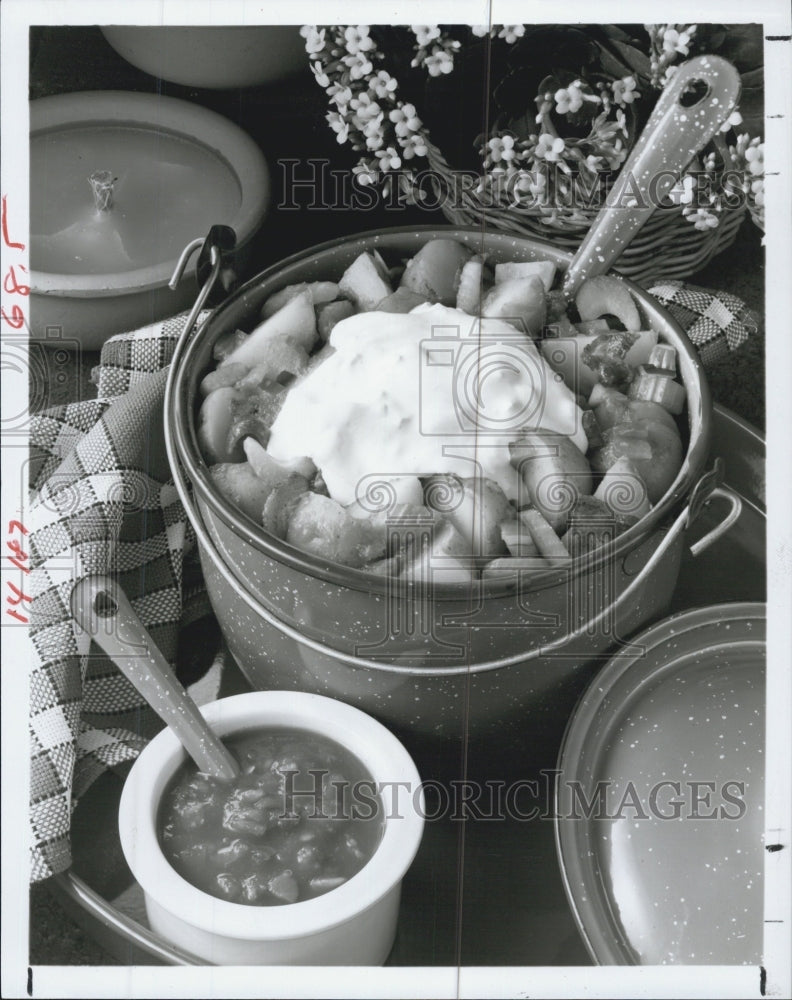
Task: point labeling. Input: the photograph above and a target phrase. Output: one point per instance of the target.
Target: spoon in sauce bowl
(102, 609)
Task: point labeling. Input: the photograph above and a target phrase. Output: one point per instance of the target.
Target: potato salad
(515, 429)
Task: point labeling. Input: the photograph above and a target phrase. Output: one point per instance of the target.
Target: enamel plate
(659, 820)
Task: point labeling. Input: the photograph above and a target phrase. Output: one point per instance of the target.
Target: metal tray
(487, 891)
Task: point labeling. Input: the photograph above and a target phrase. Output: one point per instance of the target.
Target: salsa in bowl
(359, 842)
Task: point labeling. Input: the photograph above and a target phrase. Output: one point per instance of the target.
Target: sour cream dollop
(430, 391)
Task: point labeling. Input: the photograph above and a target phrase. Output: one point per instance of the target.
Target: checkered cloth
(715, 323)
(103, 502)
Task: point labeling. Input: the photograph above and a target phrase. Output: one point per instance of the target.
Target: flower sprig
(551, 172)
(560, 168)
(667, 42)
(366, 110)
(748, 175)
(434, 50)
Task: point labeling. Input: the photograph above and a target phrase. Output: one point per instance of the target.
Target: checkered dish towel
(103, 502)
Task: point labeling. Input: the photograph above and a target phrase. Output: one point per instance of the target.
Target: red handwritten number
(19, 594)
(12, 286)
(18, 558)
(6, 237)
(16, 319)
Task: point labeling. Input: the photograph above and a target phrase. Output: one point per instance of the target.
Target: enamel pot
(446, 659)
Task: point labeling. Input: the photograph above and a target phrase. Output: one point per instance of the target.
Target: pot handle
(711, 485)
(215, 259)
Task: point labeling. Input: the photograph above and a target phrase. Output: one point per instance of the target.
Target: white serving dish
(354, 924)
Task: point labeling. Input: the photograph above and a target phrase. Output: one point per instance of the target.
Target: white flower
(357, 39)
(374, 133)
(569, 99)
(366, 172)
(405, 120)
(734, 119)
(678, 41)
(511, 32)
(388, 159)
(321, 77)
(615, 154)
(383, 84)
(701, 218)
(425, 34)
(365, 108)
(439, 63)
(549, 147)
(530, 184)
(624, 90)
(480, 30)
(413, 145)
(501, 148)
(682, 191)
(314, 39)
(754, 156)
(359, 66)
(340, 96)
(338, 125)
(593, 163)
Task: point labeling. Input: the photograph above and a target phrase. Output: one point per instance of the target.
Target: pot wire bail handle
(707, 488)
(214, 270)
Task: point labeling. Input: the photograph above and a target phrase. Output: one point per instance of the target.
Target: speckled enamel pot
(456, 659)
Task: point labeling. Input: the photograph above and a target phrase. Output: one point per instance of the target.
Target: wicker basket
(668, 246)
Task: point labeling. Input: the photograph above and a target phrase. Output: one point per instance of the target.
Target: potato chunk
(320, 525)
(519, 301)
(364, 284)
(554, 470)
(294, 322)
(435, 270)
(239, 484)
(478, 508)
(319, 291)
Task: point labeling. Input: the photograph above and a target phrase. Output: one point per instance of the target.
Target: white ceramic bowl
(354, 924)
(208, 56)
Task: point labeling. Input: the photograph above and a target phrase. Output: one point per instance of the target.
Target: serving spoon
(690, 111)
(102, 609)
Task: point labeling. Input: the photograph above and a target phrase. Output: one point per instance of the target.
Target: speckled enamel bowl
(457, 660)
